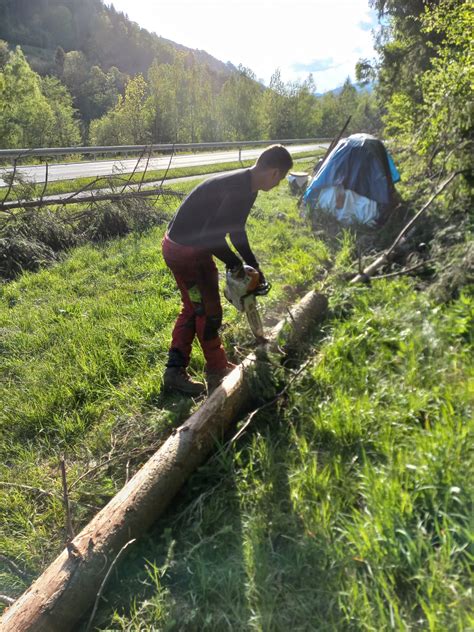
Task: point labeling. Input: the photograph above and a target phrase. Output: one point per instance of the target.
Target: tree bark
(61, 596)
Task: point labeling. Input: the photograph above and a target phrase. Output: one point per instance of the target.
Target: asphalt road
(72, 170)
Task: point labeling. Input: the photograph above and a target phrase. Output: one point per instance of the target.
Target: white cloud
(266, 34)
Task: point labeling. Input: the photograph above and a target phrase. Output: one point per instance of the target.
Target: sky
(298, 37)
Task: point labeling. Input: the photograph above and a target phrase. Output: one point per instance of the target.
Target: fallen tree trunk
(61, 596)
(62, 200)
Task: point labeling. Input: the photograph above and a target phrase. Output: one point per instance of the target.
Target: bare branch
(146, 167)
(12, 179)
(13, 567)
(400, 272)
(269, 403)
(85, 188)
(72, 549)
(129, 454)
(438, 191)
(29, 488)
(134, 169)
(167, 169)
(385, 256)
(45, 182)
(39, 490)
(105, 580)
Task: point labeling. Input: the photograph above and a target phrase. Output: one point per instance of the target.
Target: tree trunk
(62, 595)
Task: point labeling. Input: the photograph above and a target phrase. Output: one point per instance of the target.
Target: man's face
(273, 177)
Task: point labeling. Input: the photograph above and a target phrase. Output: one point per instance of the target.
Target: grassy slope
(83, 346)
(344, 507)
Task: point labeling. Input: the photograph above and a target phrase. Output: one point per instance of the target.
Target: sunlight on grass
(347, 505)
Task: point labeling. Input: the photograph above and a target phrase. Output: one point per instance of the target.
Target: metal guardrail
(16, 154)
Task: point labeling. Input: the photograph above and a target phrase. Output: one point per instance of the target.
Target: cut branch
(422, 264)
(105, 580)
(167, 168)
(146, 167)
(40, 491)
(385, 256)
(13, 567)
(45, 183)
(67, 507)
(268, 404)
(10, 184)
(6, 600)
(135, 168)
(28, 488)
(96, 197)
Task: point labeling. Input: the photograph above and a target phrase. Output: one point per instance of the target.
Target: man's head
(272, 166)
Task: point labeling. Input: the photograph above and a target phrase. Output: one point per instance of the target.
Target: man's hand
(262, 280)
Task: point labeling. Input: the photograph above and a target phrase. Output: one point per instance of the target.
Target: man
(215, 208)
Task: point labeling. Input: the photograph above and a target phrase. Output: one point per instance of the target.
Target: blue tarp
(359, 163)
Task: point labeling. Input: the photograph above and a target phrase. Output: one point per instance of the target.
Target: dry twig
(40, 491)
(135, 453)
(127, 183)
(105, 580)
(13, 567)
(438, 191)
(400, 272)
(84, 188)
(45, 183)
(72, 549)
(269, 403)
(385, 256)
(166, 172)
(146, 167)
(12, 179)
(69, 528)
(29, 488)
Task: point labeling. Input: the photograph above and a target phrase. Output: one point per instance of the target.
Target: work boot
(176, 378)
(214, 378)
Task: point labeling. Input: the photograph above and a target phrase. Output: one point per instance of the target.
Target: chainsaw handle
(262, 289)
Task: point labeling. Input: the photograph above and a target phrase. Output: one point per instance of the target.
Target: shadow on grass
(233, 552)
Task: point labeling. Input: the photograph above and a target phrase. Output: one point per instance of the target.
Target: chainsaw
(241, 290)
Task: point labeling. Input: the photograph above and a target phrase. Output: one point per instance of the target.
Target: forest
(82, 73)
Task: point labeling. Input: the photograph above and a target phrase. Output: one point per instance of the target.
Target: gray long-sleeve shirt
(217, 207)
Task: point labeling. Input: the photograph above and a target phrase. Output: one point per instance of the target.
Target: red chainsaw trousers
(201, 312)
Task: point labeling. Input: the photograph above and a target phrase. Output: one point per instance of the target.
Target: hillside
(120, 84)
(106, 37)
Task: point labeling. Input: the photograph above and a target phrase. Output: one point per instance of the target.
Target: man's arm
(240, 242)
(230, 219)
(222, 251)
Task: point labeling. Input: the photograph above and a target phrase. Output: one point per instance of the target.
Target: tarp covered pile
(355, 183)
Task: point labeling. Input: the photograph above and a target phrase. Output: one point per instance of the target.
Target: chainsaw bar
(250, 308)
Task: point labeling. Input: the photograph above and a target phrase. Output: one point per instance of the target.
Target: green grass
(83, 345)
(346, 506)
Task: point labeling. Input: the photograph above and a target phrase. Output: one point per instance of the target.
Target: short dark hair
(275, 157)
